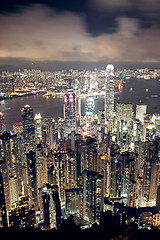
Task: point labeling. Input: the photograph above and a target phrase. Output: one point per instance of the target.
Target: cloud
(130, 42)
(38, 33)
(107, 5)
(114, 5)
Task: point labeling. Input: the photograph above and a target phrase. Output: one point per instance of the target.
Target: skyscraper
(3, 214)
(89, 154)
(50, 208)
(2, 123)
(140, 111)
(92, 197)
(89, 114)
(124, 112)
(109, 93)
(27, 120)
(70, 111)
(38, 125)
(9, 152)
(32, 177)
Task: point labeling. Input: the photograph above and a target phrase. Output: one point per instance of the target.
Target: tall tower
(109, 93)
(27, 120)
(70, 111)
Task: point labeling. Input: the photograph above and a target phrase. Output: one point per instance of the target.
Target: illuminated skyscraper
(10, 170)
(89, 154)
(38, 125)
(70, 111)
(89, 114)
(27, 120)
(3, 214)
(32, 177)
(140, 111)
(124, 112)
(72, 201)
(2, 123)
(156, 121)
(92, 196)
(105, 162)
(50, 209)
(49, 132)
(151, 172)
(109, 93)
(66, 172)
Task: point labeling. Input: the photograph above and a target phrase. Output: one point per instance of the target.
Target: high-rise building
(32, 178)
(89, 160)
(70, 111)
(72, 201)
(151, 173)
(11, 177)
(89, 115)
(66, 172)
(140, 111)
(3, 214)
(109, 93)
(156, 121)
(49, 132)
(28, 121)
(105, 164)
(38, 125)
(50, 209)
(123, 124)
(2, 123)
(124, 112)
(92, 196)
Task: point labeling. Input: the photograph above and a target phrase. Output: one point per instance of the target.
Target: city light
(97, 153)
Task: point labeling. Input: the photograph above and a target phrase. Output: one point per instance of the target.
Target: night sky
(82, 30)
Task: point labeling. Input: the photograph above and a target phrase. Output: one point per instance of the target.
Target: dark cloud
(146, 11)
(60, 5)
(125, 5)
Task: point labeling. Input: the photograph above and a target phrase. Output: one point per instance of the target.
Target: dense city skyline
(80, 118)
(98, 166)
(122, 31)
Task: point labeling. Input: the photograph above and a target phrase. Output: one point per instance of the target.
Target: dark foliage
(106, 230)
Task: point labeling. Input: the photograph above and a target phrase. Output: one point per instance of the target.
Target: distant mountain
(16, 64)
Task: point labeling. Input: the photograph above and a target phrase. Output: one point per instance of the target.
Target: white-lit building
(140, 111)
(38, 125)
